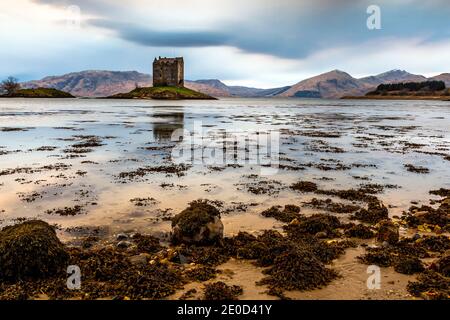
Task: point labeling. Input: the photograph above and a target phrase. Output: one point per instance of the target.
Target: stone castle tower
(168, 72)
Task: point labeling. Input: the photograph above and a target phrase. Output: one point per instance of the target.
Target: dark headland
(427, 90)
(38, 93)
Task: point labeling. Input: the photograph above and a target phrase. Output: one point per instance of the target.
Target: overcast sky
(264, 43)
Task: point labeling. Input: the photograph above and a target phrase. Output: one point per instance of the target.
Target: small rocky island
(168, 83)
(163, 93)
(38, 93)
(10, 88)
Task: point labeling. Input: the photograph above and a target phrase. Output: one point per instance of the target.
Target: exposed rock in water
(31, 250)
(197, 224)
(416, 169)
(441, 192)
(387, 232)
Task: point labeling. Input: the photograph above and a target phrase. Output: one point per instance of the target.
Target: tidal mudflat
(304, 223)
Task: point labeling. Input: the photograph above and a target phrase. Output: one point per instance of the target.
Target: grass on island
(39, 93)
(169, 93)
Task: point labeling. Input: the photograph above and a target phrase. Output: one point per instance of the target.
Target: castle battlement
(168, 72)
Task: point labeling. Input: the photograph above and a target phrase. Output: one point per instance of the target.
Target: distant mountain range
(100, 83)
(330, 85)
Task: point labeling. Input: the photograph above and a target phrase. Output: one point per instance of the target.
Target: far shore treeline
(413, 86)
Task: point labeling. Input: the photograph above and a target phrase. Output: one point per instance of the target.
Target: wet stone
(199, 223)
(121, 236)
(387, 232)
(124, 244)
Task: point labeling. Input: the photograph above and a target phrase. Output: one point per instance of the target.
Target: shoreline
(203, 266)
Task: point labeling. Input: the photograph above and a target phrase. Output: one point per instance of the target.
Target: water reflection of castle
(162, 131)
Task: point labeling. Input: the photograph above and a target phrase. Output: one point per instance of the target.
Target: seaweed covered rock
(108, 272)
(221, 291)
(326, 251)
(146, 243)
(404, 256)
(317, 223)
(289, 213)
(331, 206)
(265, 248)
(434, 243)
(199, 224)
(270, 244)
(387, 232)
(430, 285)
(374, 213)
(200, 273)
(443, 265)
(409, 247)
(30, 250)
(408, 265)
(359, 231)
(304, 186)
(206, 255)
(439, 217)
(297, 270)
(381, 257)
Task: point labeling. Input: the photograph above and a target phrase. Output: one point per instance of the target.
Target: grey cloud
(288, 28)
(154, 38)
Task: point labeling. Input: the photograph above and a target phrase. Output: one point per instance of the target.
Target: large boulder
(30, 250)
(387, 232)
(198, 224)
